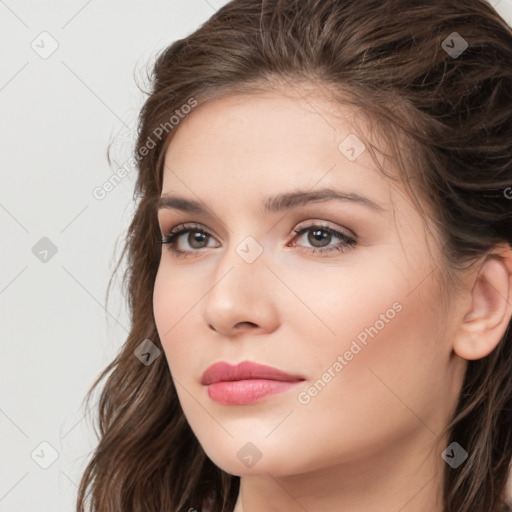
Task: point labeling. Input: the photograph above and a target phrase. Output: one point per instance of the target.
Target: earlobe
(485, 322)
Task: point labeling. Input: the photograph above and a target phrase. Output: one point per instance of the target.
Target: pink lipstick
(246, 382)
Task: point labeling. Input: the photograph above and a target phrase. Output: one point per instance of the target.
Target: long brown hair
(445, 108)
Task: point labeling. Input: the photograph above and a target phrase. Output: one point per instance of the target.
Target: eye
(319, 237)
(196, 237)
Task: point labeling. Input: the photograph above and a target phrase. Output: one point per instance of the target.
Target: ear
(485, 322)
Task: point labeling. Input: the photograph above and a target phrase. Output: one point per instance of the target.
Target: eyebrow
(276, 203)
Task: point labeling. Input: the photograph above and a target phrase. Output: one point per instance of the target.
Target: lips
(246, 370)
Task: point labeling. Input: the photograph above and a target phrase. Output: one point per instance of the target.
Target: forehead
(270, 142)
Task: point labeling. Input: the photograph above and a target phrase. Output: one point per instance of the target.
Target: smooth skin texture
(367, 441)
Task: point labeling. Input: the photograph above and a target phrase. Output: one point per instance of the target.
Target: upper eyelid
(311, 210)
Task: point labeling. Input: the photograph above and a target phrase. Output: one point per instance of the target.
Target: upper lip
(223, 371)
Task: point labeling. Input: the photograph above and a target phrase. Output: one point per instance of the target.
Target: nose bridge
(242, 266)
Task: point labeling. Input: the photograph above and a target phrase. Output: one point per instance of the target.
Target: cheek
(164, 298)
(174, 295)
(177, 300)
(386, 330)
(173, 301)
(391, 379)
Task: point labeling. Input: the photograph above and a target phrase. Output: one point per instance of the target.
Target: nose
(241, 298)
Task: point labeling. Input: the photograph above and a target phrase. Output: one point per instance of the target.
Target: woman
(319, 267)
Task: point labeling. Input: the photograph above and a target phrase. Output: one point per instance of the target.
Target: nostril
(243, 324)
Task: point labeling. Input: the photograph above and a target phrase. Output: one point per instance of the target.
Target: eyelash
(171, 238)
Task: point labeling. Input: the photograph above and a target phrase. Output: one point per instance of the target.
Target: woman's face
(361, 322)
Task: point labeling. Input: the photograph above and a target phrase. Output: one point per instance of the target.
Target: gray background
(59, 111)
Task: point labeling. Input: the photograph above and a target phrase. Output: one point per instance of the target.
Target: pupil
(317, 236)
(196, 238)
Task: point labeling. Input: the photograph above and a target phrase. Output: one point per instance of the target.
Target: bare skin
(368, 438)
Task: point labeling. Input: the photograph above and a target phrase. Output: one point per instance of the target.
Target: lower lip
(242, 392)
